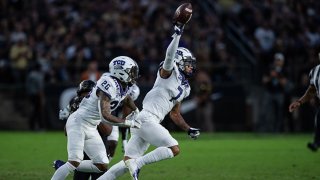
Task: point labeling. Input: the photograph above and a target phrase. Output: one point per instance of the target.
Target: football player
(85, 87)
(170, 88)
(109, 134)
(313, 91)
(81, 127)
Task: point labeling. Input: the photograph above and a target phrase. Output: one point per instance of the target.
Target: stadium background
(234, 41)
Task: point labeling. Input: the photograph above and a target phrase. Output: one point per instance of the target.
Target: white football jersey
(89, 105)
(166, 93)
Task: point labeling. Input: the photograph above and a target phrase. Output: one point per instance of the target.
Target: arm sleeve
(171, 51)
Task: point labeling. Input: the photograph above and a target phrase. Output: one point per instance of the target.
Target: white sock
(63, 171)
(124, 145)
(156, 155)
(87, 166)
(115, 171)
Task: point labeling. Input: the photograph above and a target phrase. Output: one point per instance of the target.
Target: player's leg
(316, 141)
(95, 176)
(115, 171)
(95, 149)
(124, 137)
(156, 135)
(75, 146)
(78, 175)
(112, 142)
(135, 148)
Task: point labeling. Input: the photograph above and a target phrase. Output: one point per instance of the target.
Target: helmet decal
(125, 69)
(118, 64)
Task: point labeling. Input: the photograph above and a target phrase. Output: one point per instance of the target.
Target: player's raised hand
(178, 29)
(181, 17)
(194, 133)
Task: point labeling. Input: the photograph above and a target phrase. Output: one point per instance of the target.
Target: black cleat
(312, 146)
(57, 164)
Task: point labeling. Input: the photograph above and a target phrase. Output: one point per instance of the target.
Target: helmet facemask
(133, 74)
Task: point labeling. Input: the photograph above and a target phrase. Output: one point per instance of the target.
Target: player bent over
(110, 90)
(170, 88)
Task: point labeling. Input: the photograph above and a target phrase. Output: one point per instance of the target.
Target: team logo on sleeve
(118, 64)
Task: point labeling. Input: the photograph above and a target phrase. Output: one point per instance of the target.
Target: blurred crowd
(284, 36)
(289, 27)
(65, 36)
(75, 40)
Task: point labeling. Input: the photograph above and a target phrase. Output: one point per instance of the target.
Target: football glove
(133, 123)
(133, 114)
(178, 28)
(64, 114)
(194, 133)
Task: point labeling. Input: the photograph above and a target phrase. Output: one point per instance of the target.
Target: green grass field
(221, 156)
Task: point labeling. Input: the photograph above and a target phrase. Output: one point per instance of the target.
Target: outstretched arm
(167, 67)
(310, 93)
(177, 118)
(179, 121)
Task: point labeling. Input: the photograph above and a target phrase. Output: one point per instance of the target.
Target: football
(183, 14)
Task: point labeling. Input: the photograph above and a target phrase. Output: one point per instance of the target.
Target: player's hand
(132, 120)
(194, 133)
(133, 114)
(293, 106)
(133, 123)
(178, 28)
(64, 114)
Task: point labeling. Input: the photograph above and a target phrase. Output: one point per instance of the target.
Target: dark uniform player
(312, 91)
(84, 88)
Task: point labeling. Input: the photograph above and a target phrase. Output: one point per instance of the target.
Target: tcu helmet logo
(179, 52)
(118, 64)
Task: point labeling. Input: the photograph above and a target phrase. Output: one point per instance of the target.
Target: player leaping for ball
(170, 88)
(110, 90)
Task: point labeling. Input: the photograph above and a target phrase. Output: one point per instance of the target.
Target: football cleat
(133, 168)
(312, 146)
(57, 164)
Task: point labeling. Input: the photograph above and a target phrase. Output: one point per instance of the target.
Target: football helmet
(125, 69)
(85, 86)
(183, 58)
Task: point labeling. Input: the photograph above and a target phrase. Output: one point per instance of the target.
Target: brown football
(183, 13)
